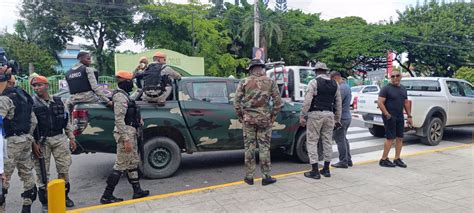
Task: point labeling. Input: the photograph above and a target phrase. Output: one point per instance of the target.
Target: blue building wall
(68, 59)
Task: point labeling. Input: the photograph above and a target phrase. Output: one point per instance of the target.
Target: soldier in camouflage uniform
(18, 134)
(156, 76)
(322, 108)
(252, 104)
(127, 120)
(82, 81)
(52, 124)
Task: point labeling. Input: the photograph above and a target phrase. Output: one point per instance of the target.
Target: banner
(258, 53)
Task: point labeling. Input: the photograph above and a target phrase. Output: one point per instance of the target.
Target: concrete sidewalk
(434, 182)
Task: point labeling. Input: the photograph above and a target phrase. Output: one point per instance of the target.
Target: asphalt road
(89, 171)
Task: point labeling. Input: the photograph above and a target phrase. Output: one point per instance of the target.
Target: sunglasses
(395, 76)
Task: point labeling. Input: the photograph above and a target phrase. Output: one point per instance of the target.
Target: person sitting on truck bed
(157, 77)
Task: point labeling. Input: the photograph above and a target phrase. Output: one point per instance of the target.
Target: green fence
(54, 83)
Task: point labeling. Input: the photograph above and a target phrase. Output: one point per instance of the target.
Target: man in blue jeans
(392, 99)
(340, 133)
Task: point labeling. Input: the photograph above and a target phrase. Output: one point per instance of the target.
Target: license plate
(378, 118)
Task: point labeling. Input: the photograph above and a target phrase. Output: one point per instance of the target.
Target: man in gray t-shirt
(340, 133)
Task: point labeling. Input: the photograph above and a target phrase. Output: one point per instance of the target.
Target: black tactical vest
(324, 100)
(21, 122)
(133, 116)
(152, 79)
(51, 120)
(77, 80)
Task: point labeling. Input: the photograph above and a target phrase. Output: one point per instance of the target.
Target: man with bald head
(393, 98)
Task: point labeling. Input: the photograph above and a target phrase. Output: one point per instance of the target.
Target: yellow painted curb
(174, 194)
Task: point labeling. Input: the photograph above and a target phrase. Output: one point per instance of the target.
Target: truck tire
(377, 131)
(161, 158)
(301, 153)
(434, 132)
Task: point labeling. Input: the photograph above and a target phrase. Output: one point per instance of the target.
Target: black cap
(256, 62)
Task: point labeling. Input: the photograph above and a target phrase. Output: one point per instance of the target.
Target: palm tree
(269, 28)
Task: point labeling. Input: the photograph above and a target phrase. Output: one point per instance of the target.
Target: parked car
(199, 116)
(436, 103)
(358, 90)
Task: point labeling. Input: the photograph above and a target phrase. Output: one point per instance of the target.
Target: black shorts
(394, 127)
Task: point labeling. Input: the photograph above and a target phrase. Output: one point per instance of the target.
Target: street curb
(190, 191)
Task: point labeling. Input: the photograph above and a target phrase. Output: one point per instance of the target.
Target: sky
(372, 11)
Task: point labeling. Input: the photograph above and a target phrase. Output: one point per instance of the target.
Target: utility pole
(256, 25)
(193, 35)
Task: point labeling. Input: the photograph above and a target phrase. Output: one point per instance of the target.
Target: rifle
(42, 162)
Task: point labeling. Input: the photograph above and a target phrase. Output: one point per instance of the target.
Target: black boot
(325, 171)
(69, 202)
(267, 180)
(43, 198)
(133, 179)
(248, 181)
(314, 173)
(112, 181)
(26, 209)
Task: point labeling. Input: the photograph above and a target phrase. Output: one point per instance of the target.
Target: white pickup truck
(436, 103)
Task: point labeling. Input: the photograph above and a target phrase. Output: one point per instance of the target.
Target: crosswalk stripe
(359, 135)
(364, 144)
(355, 128)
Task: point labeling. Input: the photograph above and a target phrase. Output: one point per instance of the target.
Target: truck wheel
(161, 158)
(377, 131)
(301, 153)
(434, 132)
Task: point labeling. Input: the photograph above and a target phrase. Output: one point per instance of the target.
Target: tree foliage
(465, 73)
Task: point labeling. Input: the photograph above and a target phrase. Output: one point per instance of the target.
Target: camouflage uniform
(125, 161)
(97, 94)
(7, 110)
(59, 147)
(162, 96)
(251, 103)
(319, 123)
(19, 155)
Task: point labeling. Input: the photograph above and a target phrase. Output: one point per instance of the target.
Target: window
(365, 90)
(356, 89)
(306, 75)
(421, 85)
(373, 89)
(213, 92)
(454, 88)
(468, 90)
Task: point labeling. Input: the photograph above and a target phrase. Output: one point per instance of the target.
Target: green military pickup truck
(199, 116)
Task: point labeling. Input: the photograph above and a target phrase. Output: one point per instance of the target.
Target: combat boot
(112, 181)
(325, 171)
(26, 209)
(268, 180)
(138, 192)
(69, 202)
(314, 172)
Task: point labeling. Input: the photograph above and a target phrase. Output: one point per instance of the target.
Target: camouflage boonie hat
(321, 66)
(256, 62)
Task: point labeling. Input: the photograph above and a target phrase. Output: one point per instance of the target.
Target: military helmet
(256, 62)
(321, 66)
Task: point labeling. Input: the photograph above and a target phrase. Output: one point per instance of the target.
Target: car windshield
(356, 89)
(421, 85)
(306, 75)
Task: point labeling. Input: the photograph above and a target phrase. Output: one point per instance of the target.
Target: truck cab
(292, 81)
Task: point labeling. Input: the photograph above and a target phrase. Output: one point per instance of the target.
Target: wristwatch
(409, 116)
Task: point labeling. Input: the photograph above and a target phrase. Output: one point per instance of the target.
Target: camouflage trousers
(19, 155)
(126, 160)
(319, 124)
(256, 135)
(159, 97)
(58, 146)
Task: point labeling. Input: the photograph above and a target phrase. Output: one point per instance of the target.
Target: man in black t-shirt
(392, 99)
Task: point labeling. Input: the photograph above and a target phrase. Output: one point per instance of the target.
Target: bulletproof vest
(152, 79)
(324, 100)
(21, 122)
(133, 116)
(77, 80)
(51, 120)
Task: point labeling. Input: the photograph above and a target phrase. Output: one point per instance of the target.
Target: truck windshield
(421, 85)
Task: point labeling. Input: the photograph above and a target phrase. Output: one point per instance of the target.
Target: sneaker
(340, 165)
(268, 180)
(248, 181)
(312, 174)
(398, 162)
(386, 163)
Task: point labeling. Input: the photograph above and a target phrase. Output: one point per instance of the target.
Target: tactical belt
(320, 109)
(52, 133)
(20, 133)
